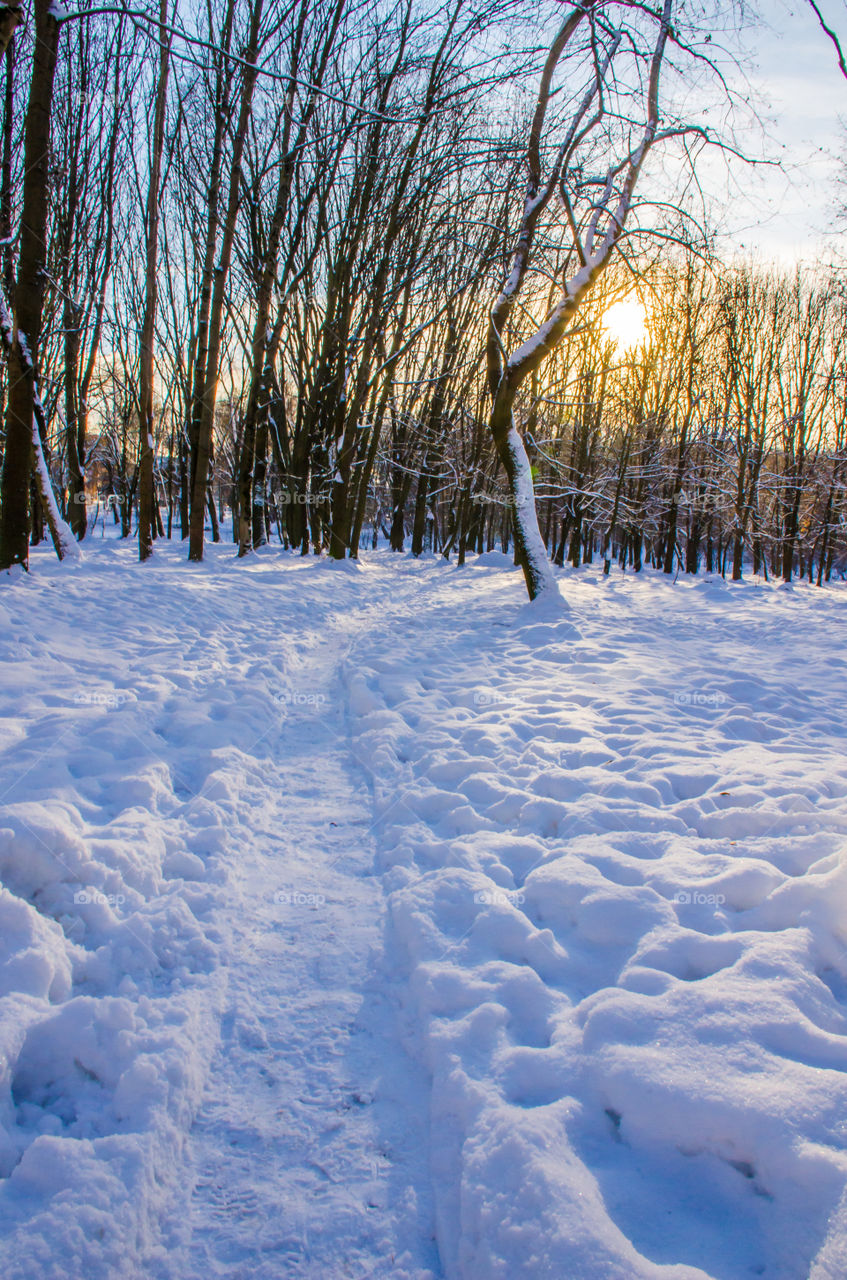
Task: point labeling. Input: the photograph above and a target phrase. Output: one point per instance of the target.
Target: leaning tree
(579, 200)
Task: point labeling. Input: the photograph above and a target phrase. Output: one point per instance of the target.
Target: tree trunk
(147, 523)
(529, 545)
(76, 479)
(221, 273)
(29, 295)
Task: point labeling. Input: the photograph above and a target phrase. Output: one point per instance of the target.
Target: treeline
(719, 440)
(273, 234)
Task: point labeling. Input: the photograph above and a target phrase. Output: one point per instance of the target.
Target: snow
(377, 924)
(526, 516)
(67, 546)
(619, 908)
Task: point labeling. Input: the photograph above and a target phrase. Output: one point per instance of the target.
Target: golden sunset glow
(625, 323)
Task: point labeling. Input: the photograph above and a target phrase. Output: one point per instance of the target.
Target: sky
(789, 213)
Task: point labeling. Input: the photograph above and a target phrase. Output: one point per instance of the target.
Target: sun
(625, 322)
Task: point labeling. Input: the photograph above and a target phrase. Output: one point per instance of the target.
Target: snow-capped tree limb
(507, 373)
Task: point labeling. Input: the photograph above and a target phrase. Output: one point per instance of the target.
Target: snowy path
(312, 1138)
(177, 776)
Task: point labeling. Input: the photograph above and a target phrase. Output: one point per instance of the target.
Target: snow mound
(496, 560)
(617, 889)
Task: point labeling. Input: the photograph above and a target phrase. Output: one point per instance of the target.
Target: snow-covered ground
(361, 921)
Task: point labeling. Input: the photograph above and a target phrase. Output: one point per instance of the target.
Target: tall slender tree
(15, 513)
(146, 478)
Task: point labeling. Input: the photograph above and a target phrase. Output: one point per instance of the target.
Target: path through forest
(310, 1148)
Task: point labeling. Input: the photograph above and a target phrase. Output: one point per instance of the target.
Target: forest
(263, 265)
(423, 565)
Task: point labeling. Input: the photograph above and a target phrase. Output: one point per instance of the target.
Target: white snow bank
(618, 896)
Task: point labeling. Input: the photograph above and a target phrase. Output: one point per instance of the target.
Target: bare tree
(218, 269)
(146, 493)
(29, 295)
(595, 235)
